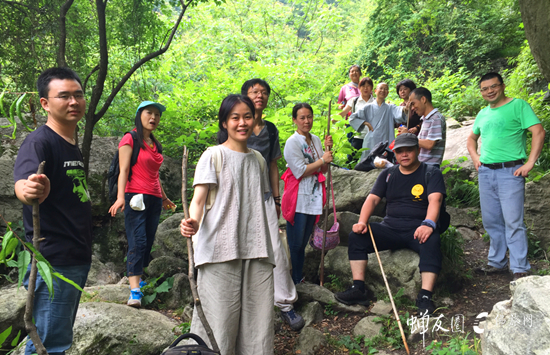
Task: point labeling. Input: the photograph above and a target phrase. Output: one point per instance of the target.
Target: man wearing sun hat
(414, 192)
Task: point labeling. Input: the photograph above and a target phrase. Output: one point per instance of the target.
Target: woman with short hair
(404, 88)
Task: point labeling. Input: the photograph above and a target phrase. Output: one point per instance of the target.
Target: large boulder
(368, 327)
(309, 341)
(12, 309)
(536, 19)
(180, 294)
(455, 144)
(346, 221)
(524, 319)
(106, 293)
(169, 241)
(110, 243)
(108, 328)
(352, 187)
(101, 274)
(166, 266)
(537, 208)
(10, 207)
(308, 292)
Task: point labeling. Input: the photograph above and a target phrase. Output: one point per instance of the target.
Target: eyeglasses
(65, 97)
(256, 93)
(494, 86)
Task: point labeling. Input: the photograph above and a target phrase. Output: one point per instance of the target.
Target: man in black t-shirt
(412, 211)
(65, 208)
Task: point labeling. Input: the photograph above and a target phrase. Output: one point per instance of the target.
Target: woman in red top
(140, 194)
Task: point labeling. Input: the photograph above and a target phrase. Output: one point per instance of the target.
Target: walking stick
(322, 267)
(389, 291)
(191, 274)
(29, 325)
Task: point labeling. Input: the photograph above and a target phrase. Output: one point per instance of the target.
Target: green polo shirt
(503, 131)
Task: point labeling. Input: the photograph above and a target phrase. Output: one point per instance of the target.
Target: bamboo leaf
(18, 105)
(4, 335)
(59, 276)
(23, 261)
(46, 273)
(15, 340)
(2, 110)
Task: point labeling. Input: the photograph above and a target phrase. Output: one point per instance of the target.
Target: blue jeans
(141, 227)
(297, 237)
(501, 195)
(54, 318)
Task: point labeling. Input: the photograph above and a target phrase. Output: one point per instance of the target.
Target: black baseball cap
(405, 140)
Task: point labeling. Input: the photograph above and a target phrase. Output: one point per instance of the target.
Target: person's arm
(295, 160)
(426, 143)
(423, 232)
(190, 226)
(471, 144)
(166, 203)
(537, 141)
(359, 120)
(124, 157)
(366, 211)
(345, 111)
(35, 187)
(274, 182)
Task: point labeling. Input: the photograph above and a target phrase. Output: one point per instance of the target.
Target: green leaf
(2, 110)
(4, 335)
(10, 249)
(149, 299)
(61, 277)
(23, 261)
(46, 273)
(166, 285)
(15, 340)
(12, 263)
(18, 111)
(446, 170)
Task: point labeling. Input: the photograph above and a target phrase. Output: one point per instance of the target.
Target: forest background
(303, 48)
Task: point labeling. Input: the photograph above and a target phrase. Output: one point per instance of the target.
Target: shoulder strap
(135, 151)
(354, 104)
(272, 130)
(391, 171)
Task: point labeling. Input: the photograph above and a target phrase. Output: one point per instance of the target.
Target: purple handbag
(333, 235)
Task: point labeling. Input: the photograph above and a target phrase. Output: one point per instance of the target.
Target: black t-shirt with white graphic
(66, 214)
(407, 195)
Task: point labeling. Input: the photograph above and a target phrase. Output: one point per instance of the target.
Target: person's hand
(360, 228)
(328, 142)
(401, 129)
(119, 203)
(189, 227)
(341, 106)
(524, 170)
(413, 130)
(36, 187)
(422, 233)
(477, 163)
(166, 204)
(369, 126)
(278, 208)
(327, 157)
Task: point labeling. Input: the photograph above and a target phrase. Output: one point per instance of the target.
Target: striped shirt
(433, 128)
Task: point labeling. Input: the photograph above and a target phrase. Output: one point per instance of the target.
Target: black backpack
(444, 217)
(272, 130)
(114, 168)
(195, 349)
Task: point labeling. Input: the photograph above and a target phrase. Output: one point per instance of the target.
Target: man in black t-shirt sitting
(65, 207)
(412, 211)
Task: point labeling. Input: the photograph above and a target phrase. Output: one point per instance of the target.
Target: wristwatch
(429, 223)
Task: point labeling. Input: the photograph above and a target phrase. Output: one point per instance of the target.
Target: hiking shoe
(519, 275)
(488, 269)
(135, 298)
(425, 305)
(352, 296)
(142, 283)
(293, 319)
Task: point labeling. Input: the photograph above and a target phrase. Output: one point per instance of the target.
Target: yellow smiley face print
(417, 190)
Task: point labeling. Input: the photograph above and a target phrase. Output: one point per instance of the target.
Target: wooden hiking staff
(191, 274)
(325, 216)
(389, 291)
(29, 325)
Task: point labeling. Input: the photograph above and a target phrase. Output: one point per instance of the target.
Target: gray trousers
(285, 290)
(237, 298)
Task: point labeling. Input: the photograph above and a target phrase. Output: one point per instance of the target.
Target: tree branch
(61, 62)
(96, 68)
(136, 66)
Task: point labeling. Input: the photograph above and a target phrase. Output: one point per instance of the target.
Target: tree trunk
(536, 22)
(61, 62)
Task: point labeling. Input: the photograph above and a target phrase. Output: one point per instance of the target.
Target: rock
(401, 269)
(166, 266)
(170, 242)
(523, 318)
(101, 274)
(464, 217)
(308, 292)
(12, 309)
(353, 187)
(346, 221)
(172, 222)
(455, 145)
(107, 328)
(309, 341)
(106, 293)
(337, 264)
(187, 314)
(312, 313)
(452, 123)
(537, 195)
(367, 327)
(179, 295)
(536, 17)
(311, 264)
(381, 308)
(467, 233)
(10, 207)
(110, 243)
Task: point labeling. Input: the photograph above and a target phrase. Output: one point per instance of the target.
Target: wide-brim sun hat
(161, 108)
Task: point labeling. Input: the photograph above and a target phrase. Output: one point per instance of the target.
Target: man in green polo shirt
(502, 169)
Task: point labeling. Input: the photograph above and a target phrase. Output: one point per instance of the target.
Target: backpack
(217, 161)
(444, 217)
(194, 349)
(272, 130)
(114, 168)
